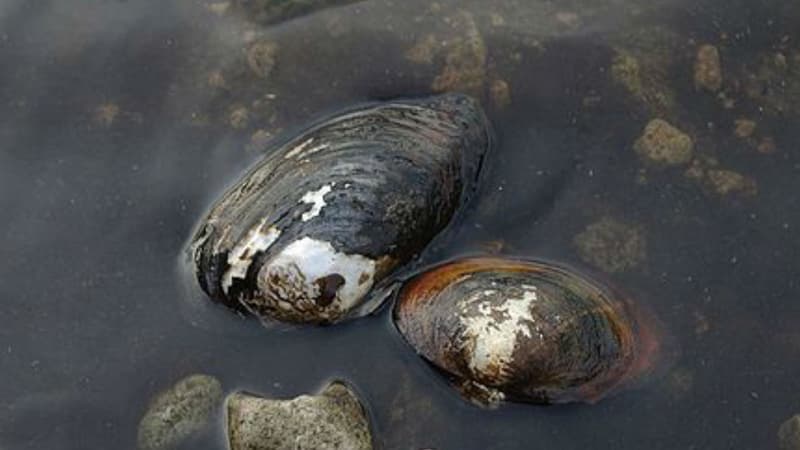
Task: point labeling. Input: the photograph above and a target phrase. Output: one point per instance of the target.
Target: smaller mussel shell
(525, 331)
(316, 228)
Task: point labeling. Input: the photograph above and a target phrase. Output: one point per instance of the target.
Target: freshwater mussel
(525, 331)
(314, 229)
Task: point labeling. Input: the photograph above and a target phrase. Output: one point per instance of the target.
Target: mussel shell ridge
(311, 229)
(525, 331)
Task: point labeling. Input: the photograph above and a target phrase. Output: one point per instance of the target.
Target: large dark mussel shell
(526, 331)
(306, 234)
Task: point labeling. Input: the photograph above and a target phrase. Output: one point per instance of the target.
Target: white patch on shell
(241, 255)
(317, 201)
(302, 263)
(493, 331)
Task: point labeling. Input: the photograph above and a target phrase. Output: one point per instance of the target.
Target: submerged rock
(719, 181)
(789, 434)
(261, 58)
(772, 82)
(333, 419)
(460, 51)
(744, 128)
(105, 114)
(644, 84)
(178, 412)
(643, 61)
(465, 61)
(500, 93)
(661, 144)
(767, 146)
(424, 50)
(726, 182)
(707, 68)
(611, 245)
(239, 117)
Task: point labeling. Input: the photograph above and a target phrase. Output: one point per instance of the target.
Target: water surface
(121, 121)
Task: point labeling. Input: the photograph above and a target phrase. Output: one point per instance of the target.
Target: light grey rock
(332, 419)
(178, 412)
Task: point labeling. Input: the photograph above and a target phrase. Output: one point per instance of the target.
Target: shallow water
(120, 122)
